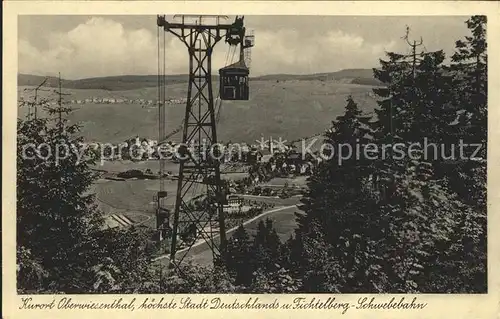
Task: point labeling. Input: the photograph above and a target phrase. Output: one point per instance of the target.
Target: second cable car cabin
(234, 82)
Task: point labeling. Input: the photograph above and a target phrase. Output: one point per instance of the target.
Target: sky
(92, 46)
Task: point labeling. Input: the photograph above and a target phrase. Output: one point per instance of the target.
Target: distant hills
(131, 82)
(287, 106)
(108, 83)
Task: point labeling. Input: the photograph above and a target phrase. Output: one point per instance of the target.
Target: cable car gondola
(234, 82)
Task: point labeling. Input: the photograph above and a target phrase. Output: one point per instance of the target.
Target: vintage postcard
(174, 159)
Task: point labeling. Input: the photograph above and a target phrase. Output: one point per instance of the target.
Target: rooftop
(237, 65)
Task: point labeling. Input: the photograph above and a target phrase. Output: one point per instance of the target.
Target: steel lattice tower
(197, 168)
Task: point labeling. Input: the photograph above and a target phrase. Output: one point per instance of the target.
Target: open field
(289, 109)
(121, 166)
(135, 194)
(134, 198)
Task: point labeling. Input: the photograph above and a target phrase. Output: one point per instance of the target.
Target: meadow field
(133, 197)
(290, 109)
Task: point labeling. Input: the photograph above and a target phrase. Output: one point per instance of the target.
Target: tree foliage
(392, 223)
(56, 215)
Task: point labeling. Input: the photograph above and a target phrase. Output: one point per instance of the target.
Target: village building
(226, 158)
(295, 159)
(234, 205)
(244, 151)
(254, 156)
(268, 158)
(234, 152)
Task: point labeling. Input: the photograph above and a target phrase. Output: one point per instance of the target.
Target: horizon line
(186, 74)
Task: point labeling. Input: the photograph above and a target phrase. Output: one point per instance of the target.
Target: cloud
(290, 52)
(103, 47)
(99, 47)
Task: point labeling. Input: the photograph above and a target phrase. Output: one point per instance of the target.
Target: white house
(234, 204)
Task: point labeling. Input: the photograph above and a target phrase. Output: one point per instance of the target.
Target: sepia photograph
(251, 154)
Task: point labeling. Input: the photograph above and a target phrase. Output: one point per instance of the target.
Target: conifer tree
(414, 102)
(433, 109)
(338, 181)
(470, 80)
(335, 206)
(273, 242)
(266, 247)
(56, 215)
(468, 176)
(389, 224)
(409, 199)
(238, 257)
(469, 67)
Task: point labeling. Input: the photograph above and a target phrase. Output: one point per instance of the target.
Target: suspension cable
(218, 100)
(158, 83)
(218, 96)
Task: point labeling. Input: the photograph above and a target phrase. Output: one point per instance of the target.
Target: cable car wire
(218, 96)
